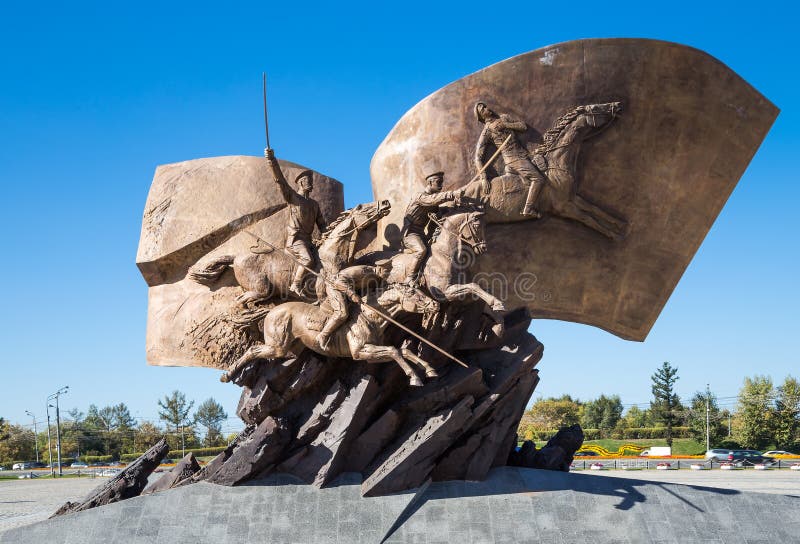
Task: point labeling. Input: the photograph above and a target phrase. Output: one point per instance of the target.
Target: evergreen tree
(174, 411)
(210, 415)
(665, 402)
(602, 413)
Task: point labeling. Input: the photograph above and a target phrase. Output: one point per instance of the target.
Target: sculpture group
(490, 180)
(341, 306)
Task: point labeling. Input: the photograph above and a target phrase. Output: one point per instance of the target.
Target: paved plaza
(513, 505)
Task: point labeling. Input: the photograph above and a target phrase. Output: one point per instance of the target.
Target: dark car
(586, 454)
(748, 458)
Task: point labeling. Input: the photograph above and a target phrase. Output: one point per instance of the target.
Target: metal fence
(679, 464)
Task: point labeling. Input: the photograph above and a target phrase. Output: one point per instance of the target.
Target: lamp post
(49, 447)
(708, 417)
(35, 435)
(55, 396)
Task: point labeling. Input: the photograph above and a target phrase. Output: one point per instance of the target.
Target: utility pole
(708, 417)
(55, 396)
(49, 447)
(35, 435)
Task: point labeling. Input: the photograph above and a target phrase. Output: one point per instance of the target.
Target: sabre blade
(266, 121)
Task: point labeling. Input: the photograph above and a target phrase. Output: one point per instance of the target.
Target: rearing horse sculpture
(557, 158)
(264, 273)
(458, 240)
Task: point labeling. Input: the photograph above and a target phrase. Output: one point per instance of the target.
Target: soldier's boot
(530, 202)
(332, 323)
(296, 286)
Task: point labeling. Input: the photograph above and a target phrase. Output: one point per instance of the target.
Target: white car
(773, 453)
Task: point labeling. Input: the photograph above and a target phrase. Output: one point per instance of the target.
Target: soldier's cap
(303, 174)
(435, 175)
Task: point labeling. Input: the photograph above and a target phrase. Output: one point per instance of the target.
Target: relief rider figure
(415, 239)
(517, 161)
(304, 214)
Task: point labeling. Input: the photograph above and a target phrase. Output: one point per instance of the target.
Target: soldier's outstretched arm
(480, 147)
(514, 124)
(277, 175)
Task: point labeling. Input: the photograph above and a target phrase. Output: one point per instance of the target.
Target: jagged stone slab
(327, 454)
(373, 440)
(255, 450)
(415, 457)
(128, 483)
(184, 470)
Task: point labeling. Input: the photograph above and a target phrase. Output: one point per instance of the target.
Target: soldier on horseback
(347, 284)
(304, 214)
(496, 130)
(415, 239)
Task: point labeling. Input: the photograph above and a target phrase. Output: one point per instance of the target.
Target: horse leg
(430, 372)
(597, 211)
(260, 351)
(373, 353)
(251, 297)
(570, 210)
(457, 291)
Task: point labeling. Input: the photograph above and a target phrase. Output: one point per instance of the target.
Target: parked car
(749, 458)
(22, 466)
(97, 464)
(79, 464)
(111, 472)
(773, 453)
(586, 454)
(38, 464)
(718, 454)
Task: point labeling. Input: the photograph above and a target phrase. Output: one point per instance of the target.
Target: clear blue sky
(95, 96)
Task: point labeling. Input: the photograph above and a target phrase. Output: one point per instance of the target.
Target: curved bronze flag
(634, 146)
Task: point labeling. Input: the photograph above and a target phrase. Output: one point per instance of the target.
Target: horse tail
(209, 273)
(246, 317)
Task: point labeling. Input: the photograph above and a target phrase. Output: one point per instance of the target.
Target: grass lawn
(680, 446)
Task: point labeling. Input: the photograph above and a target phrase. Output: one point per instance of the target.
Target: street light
(35, 435)
(55, 396)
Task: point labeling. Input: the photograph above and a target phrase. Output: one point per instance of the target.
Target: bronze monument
(574, 182)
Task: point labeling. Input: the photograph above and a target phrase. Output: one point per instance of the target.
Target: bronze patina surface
(687, 129)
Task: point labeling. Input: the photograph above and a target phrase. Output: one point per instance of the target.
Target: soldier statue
(347, 284)
(415, 237)
(304, 214)
(496, 130)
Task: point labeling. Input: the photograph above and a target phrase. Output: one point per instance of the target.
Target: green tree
(174, 411)
(787, 413)
(602, 413)
(17, 444)
(635, 418)
(755, 412)
(665, 402)
(147, 434)
(554, 413)
(210, 415)
(696, 419)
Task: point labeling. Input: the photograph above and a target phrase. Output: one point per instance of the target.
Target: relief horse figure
(556, 157)
(457, 241)
(297, 324)
(264, 273)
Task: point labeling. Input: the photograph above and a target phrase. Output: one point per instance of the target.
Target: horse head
(466, 226)
(599, 115)
(336, 244)
(407, 298)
